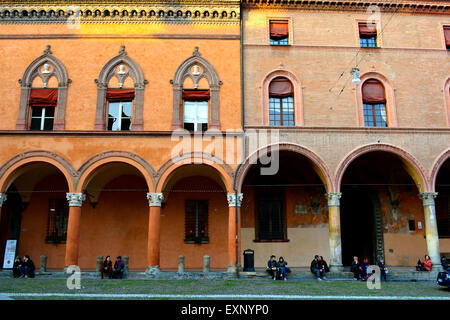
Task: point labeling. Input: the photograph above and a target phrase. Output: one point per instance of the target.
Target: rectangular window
(119, 115)
(281, 111)
(58, 217)
(447, 37)
(412, 225)
(42, 118)
(375, 115)
(367, 35)
(279, 32)
(196, 115)
(196, 221)
(270, 223)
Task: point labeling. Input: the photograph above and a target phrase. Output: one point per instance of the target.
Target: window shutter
(281, 87)
(279, 30)
(373, 92)
(367, 29)
(43, 97)
(117, 95)
(196, 95)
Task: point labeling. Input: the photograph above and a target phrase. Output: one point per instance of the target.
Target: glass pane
(35, 124)
(127, 109)
(126, 124)
(36, 112)
(48, 124)
(202, 111)
(189, 126)
(113, 110)
(49, 112)
(113, 124)
(190, 114)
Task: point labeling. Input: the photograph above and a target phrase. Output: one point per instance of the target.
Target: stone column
(2, 200)
(334, 221)
(431, 231)
(154, 202)
(73, 229)
(234, 230)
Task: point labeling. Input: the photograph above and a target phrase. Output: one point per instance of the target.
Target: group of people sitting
(319, 267)
(113, 273)
(426, 264)
(23, 268)
(360, 269)
(277, 269)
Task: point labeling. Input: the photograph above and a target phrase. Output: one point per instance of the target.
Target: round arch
(412, 165)
(88, 170)
(319, 165)
(10, 170)
(298, 96)
(440, 160)
(168, 169)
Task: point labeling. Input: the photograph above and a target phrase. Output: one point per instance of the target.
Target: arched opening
(281, 102)
(442, 201)
(35, 213)
(194, 216)
(285, 212)
(381, 212)
(114, 218)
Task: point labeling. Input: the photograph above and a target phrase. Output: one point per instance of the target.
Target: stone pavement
(298, 274)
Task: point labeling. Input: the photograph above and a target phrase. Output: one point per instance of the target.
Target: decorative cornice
(404, 6)
(134, 12)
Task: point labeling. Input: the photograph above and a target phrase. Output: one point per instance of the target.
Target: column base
(152, 270)
(436, 267)
(233, 268)
(336, 268)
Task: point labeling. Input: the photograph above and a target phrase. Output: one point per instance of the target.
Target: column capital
(3, 198)
(155, 199)
(75, 199)
(232, 201)
(428, 198)
(333, 198)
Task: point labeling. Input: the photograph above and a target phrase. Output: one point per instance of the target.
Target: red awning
(279, 30)
(281, 87)
(117, 95)
(43, 97)
(367, 29)
(373, 92)
(196, 95)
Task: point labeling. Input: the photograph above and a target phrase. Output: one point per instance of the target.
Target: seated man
(119, 266)
(27, 269)
(316, 268)
(272, 267)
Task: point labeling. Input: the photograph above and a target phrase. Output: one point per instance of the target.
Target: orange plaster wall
(172, 226)
(84, 59)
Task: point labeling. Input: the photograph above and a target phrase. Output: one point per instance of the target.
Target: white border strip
(220, 296)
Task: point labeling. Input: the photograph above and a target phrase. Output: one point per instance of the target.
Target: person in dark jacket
(323, 264)
(444, 263)
(106, 267)
(16, 267)
(383, 269)
(317, 269)
(357, 269)
(364, 266)
(27, 269)
(272, 267)
(119, 267)
(283, 270)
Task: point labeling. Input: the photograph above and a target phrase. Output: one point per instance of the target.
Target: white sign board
(10, 252)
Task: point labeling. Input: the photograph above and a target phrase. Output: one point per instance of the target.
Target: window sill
(196, 242)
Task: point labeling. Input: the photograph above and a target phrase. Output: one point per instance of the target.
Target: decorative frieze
(145, 11)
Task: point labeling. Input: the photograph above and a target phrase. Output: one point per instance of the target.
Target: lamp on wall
(355, 72)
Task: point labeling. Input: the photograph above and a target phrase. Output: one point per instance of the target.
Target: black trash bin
(249, 260)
